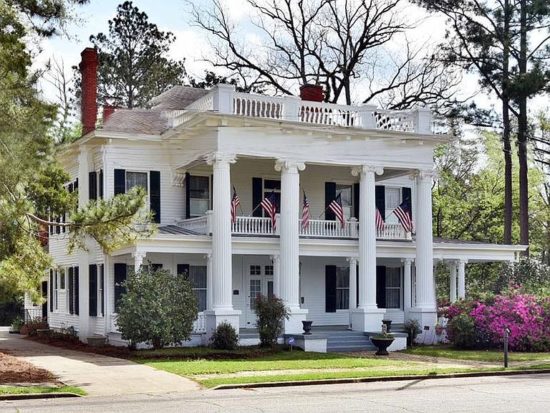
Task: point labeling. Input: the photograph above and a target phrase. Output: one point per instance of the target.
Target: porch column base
(213, 318)
(294, 323)
(427, 318)
(364, 319)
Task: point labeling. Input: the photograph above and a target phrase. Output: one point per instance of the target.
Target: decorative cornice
(425, 174)
(289, 165)
(363, 169)
(220, 157)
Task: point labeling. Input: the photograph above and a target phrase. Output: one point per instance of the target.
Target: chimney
(108, 110)
(88, 106)
(312, 93)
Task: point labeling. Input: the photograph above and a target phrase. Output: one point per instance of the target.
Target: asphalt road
(525, 393)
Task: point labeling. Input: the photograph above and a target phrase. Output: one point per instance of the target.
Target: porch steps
(339, 341)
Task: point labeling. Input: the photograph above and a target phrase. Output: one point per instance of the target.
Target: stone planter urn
(307, 327)
(387, 323)
(382, 343)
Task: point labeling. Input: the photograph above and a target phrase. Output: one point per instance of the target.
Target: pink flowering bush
(477, 324)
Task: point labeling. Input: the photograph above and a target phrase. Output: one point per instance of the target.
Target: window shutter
(183, 269)
(100, 179)
(76, 291)
(187, 195)
(330, 194)
(92, 185)
(75, 186)
(381, 286)
(71, 291)
(92, 290)
(120, 181)
(406, 196)
(356, 200)
(120, 277)
(51, 290)
(330, 288)
(154, 195)
(257, 196)
(380, 195)
(102, 287)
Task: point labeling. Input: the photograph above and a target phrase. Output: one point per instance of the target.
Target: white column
(83, 258)
(462, 279)
(367, 317)
(289, 227)
(452, 281)
(107, 292)
(138, 257)
(407, 284)
(209, 284)
(276, 274)
(222, 255)
(352, 288)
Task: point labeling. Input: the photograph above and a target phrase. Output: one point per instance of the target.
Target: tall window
(199, 195)
(136, 179)
(393, 199)
(197, 277)
(393, 287)
(346, 192)
(342, 288)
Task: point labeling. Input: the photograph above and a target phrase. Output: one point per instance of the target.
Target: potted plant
(382, 341)
(307, 326)
(412, 327)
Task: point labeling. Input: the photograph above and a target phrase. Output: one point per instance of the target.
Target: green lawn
(40, 389)
(495, 356)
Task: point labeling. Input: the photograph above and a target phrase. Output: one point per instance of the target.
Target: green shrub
(158, 308)
(30, 327)
(270, 314)
(225, 337)
(461, 331)
(16, 324)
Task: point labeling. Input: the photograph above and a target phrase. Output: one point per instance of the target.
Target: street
(484, 394)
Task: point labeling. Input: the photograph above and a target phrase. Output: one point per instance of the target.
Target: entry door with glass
(260, 282)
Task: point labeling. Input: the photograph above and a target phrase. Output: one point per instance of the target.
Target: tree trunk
(507, 147)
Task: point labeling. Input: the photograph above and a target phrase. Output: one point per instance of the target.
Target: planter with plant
(382, 341)
(412, 327)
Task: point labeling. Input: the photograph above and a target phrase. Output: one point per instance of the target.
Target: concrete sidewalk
(96, 374)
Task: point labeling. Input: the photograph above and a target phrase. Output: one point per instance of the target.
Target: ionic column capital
(363, 169)
(287, 165)
(425, 175)
(275, 257)
(407, 261)
(217, 158)
(352, 260)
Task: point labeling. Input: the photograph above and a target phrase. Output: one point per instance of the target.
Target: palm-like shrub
(270, 314)
(158, 308)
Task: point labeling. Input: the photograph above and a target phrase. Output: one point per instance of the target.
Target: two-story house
(192, 147)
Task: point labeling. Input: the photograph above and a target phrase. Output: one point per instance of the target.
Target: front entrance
(259, 281)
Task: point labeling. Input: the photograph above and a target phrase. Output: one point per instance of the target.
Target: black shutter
(183, 269)
(71, 291)
(100, 179)
(406, 195)
(51, 290)
(102, 287)
(120, 277)
(381, 286)
(75, 186)
(357, 286)
(187, 195)
(154, 195)
(330, 194)
(330, 288)
(76, 291)
(92, 185)
(92, 290)
(120, 181)
(356, 200)
(257, 196)
(380, 194)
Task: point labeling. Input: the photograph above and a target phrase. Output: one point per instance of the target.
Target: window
(255, 291)
(342, 288)
(393, 199)
(268, 270)
(197, 277)
(393, 287)
(56, 289)
(136, 179)
(199, 195)
(255, 270)
(272, 186)
(346, 193)
(73, 290)
(61, 273)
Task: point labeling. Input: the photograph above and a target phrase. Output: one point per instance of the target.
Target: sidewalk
(96, 374)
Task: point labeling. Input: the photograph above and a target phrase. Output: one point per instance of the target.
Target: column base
(213, 318)
(367, 319)
(294, 323)
(427, 318)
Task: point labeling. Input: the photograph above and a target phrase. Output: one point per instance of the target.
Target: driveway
(96, 374)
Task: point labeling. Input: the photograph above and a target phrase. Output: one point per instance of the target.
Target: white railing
(114, 326)
(198, 225)
(253, 226)
(319, 228)
(225, 100)
(393, 231)
(199, 325)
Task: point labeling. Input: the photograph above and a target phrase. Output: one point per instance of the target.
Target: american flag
(305, 212)
(269, 205)
(403, 214)
(379, 220)
(235, 202)
(336, 207)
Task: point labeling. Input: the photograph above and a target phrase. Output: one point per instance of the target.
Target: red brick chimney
(88, 106)
(108, 110)
(312, 93)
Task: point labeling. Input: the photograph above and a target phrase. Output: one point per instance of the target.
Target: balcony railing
(225, 100)
(317, 228)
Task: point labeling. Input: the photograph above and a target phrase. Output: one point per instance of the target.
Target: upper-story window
(346, 193)
(393, 199)
(134, 179)
(199, 195)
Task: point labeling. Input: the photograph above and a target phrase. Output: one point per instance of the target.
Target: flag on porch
(235, 202)
(336, 207)
(305, 212)
(269, 205)
(379, 221)
(403, 214)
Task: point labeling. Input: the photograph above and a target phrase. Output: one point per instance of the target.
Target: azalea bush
(481, 324)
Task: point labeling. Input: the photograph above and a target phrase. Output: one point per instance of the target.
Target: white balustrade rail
(319, 228)
(398, 120)
(198, 225)
(392, 232)
(199, 325)
(257, 106)
(253, 226)
(320, 113)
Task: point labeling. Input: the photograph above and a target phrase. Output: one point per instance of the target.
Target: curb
(32, 396)
(378, 379)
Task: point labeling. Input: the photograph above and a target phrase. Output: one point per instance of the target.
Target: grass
(492, 356)
(41, 390)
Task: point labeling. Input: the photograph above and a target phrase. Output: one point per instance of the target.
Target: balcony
(317, 228)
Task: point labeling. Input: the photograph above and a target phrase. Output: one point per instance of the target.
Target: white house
(192, 147)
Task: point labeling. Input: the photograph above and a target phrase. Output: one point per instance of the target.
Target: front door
(260, 282)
